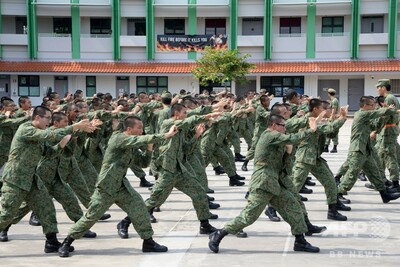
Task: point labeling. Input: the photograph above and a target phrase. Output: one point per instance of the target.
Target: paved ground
(370, 236)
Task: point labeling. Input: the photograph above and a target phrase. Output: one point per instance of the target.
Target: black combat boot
(239, 157)
(313, 229)
(333, 214)
(241, 234)
(105, 216)
(213, 206)
(301, 244)
(244, 166)
(52, 244)
(157, 209)
(337, 179)
(305, 190)
(213, 216)
(386, 197)
(238, 177)
(123, 226)
(309, 182)
(235, 182)
(210, 191)
(89, 234)
(343, 199)
(271, 214)
(219, 170)
(326, 148)
(66, 247)
(334, 149)
(395, 186)
(145, 183)
(303, 198)
(361, 176)
(4, 234)
(206, 228)
(34, 220)
(152, 218)
(149, 245)
(210, 198)
(215, 239)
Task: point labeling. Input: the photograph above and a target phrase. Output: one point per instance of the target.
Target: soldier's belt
(390, 125)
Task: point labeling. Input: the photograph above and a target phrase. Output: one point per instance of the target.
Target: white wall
(13, 7)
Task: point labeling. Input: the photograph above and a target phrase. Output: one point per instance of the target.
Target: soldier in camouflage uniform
(20, 181)
(266, 186)
(359, 157)
(335, 110)
(113, 187)
(387, 150)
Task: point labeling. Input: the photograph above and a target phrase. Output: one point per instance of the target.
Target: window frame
(328, 29)
(291, 25)
(175, 27)
(149, 88)
(280, 85)
(90, 86)
(217, 27)
(134, 21)
(30, 85)
(64, 29)
(102, 26)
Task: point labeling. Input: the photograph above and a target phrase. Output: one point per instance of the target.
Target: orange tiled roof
(185, 68)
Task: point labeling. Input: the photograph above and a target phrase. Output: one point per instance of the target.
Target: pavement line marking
(286, 248)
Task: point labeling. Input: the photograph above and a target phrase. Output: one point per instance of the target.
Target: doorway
(324, 85)
(61, 85)
(5, 86)
(356, 91)
(122, 85)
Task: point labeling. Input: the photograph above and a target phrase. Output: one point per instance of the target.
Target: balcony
(334, 42)
(250, 40)
(96, 46)
(132, 41)
(289, 46)
(373, 39)
(13, 39)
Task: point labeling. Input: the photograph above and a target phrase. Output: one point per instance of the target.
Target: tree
(220, 66)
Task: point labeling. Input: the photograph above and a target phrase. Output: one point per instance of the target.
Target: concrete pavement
(370, 236)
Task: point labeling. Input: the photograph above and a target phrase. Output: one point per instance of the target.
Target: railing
(52, 34)
(96, 36)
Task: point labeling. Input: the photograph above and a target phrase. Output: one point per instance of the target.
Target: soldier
(265, 186)
(21, 183)
(335, 110)
(360, 157)
(113, 187)
(387, 150)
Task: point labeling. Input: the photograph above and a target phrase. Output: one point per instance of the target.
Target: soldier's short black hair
(291, 94)
(314, 103)
(275, 118)
(130, 121)
(263, 98)
(166, 100)
(239, 98)
(122, 102)
(57, 116)
(54, 95)
(275, 109)
(326, 104)
(189, 102)
(365, 100)
(22, 100)
(40, 111)
(176, 108)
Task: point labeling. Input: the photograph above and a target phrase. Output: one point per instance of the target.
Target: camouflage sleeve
(13, 122)
(290, 138)
(50, 135)
(137, 141)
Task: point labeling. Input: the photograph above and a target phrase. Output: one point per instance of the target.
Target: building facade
(116, 45)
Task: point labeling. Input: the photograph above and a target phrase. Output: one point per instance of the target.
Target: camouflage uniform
(266, 184)
(20, 181)
(308, 159)
(359, 157)
(176, 171)
(334, 136)
(260, 126)
(113, 187)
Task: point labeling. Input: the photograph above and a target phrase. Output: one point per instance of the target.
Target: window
(252, 26)
(151, 84)
(100, 25)
(372, 24)
(216, 26)
(290, 26)
(137, 27)
(280, 85)
(21, 25)
(174, 26)
(395, 83)
(90, 85)
(332, 25)
(62, 25)
(28, 85)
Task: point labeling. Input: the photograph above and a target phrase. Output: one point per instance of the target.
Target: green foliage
(219, 66)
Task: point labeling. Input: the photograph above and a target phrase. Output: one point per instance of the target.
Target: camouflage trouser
(247, 136)
(77, 182)
(285, 203)
(38, 200)
(137, 171)
(358, 161)
(196, 161)
(63, 194)
(323, 174)
(387, 152)
(89, 172)
(128, 200)
(335, 139)
(235, 141)
(219, 154)
(167, 181)
(252, 150)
